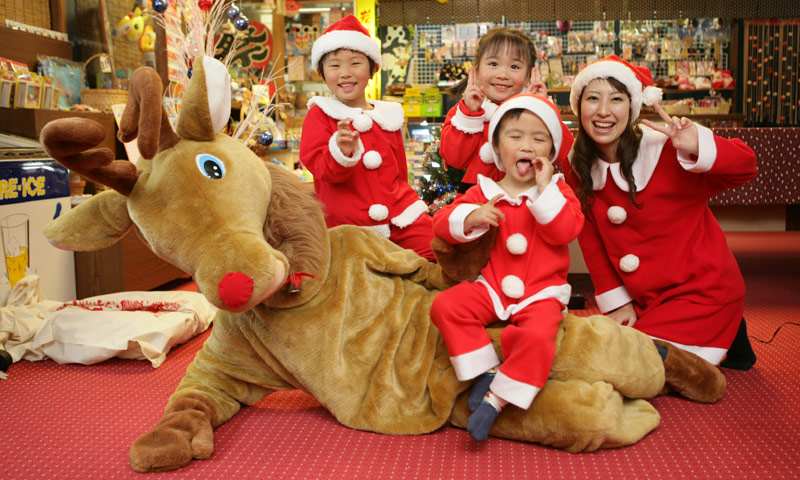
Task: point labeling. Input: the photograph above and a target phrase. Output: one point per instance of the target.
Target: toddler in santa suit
(354, 146)
(525, 279)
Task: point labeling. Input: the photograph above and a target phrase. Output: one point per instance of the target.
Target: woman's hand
(473, 95)
(537, 86)
(624, 314)
(346, 138)
(486, 214)
(682, 131)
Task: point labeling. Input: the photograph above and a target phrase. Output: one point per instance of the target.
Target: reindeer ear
(96, 223)
(206, 105)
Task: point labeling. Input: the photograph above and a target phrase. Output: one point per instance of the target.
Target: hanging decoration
(770, 73)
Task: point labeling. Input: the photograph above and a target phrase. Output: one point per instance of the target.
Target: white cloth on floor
(134, 325)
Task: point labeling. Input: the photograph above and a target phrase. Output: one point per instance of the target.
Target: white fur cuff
(548, 205)
(466, 123)
(340, 157)
(410, 214)
(456, 220)
(706, 152)
(613, 299)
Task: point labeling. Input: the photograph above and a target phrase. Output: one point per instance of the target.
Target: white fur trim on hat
(349, 39)
(512, 286)
(629, 263)
(617, 214)
(486, 154)
(378, 212)
(372, 160)
(362, 122)
(538, 106)
(517, 244)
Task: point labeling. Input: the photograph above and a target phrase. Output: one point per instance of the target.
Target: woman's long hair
(495, 41)
(585, 152)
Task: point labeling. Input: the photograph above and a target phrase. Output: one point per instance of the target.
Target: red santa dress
(669, 257)
(524, 283)
(464, 142)
(369, 188)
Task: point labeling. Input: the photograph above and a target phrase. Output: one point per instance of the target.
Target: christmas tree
(439, 183)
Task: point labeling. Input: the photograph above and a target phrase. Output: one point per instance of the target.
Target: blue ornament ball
(189, 73)
(241, 23)
(265, 139)
(160, 6)
(233, 12)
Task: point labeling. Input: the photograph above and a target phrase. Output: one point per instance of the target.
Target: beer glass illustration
(15, 235)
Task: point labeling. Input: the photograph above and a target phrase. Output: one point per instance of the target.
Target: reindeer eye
(210, 166)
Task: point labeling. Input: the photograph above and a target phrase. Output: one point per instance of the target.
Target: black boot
(740, 354)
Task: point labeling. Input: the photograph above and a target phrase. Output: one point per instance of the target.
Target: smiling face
(605, 113)
(502, 73)
(346, 73)
(520, 140)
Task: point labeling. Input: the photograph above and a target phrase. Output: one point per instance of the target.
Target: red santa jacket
(370, 188)
(530, 259)
(671, 247)
(464, 141)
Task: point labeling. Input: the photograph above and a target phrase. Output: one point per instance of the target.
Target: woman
(658, 259)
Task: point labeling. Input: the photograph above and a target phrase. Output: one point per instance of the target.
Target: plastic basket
(102, 98)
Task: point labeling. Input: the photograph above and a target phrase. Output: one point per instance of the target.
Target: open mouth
(347, 86)
(603, 126)
(524, 166)
(501, 88)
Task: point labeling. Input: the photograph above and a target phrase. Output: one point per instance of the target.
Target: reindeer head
(199, 199)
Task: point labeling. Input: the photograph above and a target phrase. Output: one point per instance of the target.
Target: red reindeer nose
(235, 289)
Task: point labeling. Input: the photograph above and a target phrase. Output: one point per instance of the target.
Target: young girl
(658, 258)
(525, 279)
(504, 64)
(354, 146)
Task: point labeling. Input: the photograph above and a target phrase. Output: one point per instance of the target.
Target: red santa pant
(461, 313)
(416, 236)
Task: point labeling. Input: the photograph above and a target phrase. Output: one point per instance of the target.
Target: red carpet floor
(77, 422)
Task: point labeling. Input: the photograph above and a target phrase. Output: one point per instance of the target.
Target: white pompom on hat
(547, 112)
(347, 33)
(636, 79)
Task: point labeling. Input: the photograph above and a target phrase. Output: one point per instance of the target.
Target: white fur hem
(456, 221)
(548, 205)
(340, 157)
(513, 391)
(474, 363)
(558, 292)
(613, 299)
(707, 152)
(382, 230)
(712, 355)
(410, 214)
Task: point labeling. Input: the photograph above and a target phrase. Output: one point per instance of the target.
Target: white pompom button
(362, 122)
(517, 244)
(486, 153)
(617, 215)
(378, 212)
(629, 263)
(372, 160)
(513, 287)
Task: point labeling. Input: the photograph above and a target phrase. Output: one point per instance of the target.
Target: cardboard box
(412, 109)
(432, 109)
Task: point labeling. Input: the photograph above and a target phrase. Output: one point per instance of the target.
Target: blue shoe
(479, 389)
(481, 421)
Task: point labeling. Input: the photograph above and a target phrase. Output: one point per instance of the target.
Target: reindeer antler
(145, 116)
(68, 140)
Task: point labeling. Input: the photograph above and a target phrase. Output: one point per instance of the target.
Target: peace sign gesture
(486, 214)
(473, 95)
(682, 131)
(537, 86)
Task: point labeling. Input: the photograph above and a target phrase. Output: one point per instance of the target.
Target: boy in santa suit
(658, 259)
(354, 146)
(525, 279)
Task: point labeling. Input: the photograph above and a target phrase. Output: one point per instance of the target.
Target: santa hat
(547, 112)
(636, 79)
(346, 33)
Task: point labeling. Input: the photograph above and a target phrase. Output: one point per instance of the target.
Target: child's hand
(473, 95)
(346, 138)
(486, 214)
(624, 314)
(537, 86)
(682, 131)
(544, 172)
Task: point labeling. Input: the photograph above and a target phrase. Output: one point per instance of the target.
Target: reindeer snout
(235, 289)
